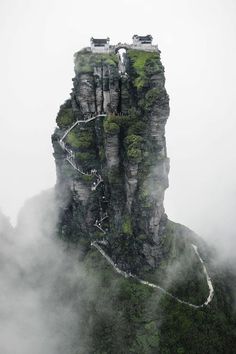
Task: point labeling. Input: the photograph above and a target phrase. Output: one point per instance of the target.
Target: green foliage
(147, 340)
(110, 127)
(83, 63)
(80, 140)
(144, 64)
(85, 140)
(153, 65)
(151, 97)
(129, 125)
(109, 59)
(128, 317)
(120, 315)
(86, 178)
(73, 139)
(127, 226)
(85, 156)
(133, 139)
(65, 118)
(137, 127)
(134, 154)
(86, 61)
(144, 195)
(133, 146)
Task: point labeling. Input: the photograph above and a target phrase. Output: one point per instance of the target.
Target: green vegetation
(137, 128)
(82, 140)
(85, 140)
(119, 315)
(131, 127)
(134, 154)
(144, 196)
(65, 118)
(133, 145)
(128, 317)
(134, 140)
(144, 65)
(129, 124)
(110, 126)
(86, 61)
(85, 156)
(127, 226)
(150, 98)
(86, 178)
(73, 139)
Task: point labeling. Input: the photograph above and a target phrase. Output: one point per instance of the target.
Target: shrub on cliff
(110, 127)
(86, 61)
(144, 64)
(65, 118)
(133, 147)
(82, 140)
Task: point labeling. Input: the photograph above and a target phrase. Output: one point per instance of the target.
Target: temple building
(100, 45)
(142, 41)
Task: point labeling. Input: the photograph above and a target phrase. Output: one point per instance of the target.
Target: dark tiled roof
(143, 38)
(99, 40)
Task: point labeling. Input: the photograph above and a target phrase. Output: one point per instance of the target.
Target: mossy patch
(133, 145)
(86, 61)
(150, 98)
(144, 64)
(81, 139)
(110, 126)
(127, 226)
(65, 118)
(85, 156)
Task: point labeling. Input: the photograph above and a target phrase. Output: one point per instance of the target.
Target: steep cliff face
(110, 153)
(157, 288)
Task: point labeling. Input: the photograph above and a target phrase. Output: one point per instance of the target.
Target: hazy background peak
(197, 40)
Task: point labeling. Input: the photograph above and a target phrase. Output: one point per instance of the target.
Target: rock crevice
(125, 146)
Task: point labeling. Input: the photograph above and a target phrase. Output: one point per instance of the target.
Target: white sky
(197, 40)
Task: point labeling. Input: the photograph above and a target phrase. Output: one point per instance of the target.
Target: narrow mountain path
(98, 223)
(93, 173)
(130, 275)
(70, 154)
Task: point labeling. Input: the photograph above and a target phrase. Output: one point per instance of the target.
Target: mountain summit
(157, 277)
(111, 151)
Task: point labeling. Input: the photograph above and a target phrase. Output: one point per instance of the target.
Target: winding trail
(71, 156)
(130, 275)
(98, 223)
(93, 173)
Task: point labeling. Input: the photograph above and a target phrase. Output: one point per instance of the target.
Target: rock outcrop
(122, 138)
(112, 173)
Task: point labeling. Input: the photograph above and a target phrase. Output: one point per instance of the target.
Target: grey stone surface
(131, 193)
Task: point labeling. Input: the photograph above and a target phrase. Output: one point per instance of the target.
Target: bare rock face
(84, 92)
(131, 179)
(114, 163)
(81, 191)
(112, 151)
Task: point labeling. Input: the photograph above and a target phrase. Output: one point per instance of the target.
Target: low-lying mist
(41, 284)
(44, 285)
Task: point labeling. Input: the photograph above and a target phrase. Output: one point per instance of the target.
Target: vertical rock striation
(112, 167)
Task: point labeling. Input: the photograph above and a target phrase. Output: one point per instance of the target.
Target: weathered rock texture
(128, 150)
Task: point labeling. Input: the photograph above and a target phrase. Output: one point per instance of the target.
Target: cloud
(42, 284)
